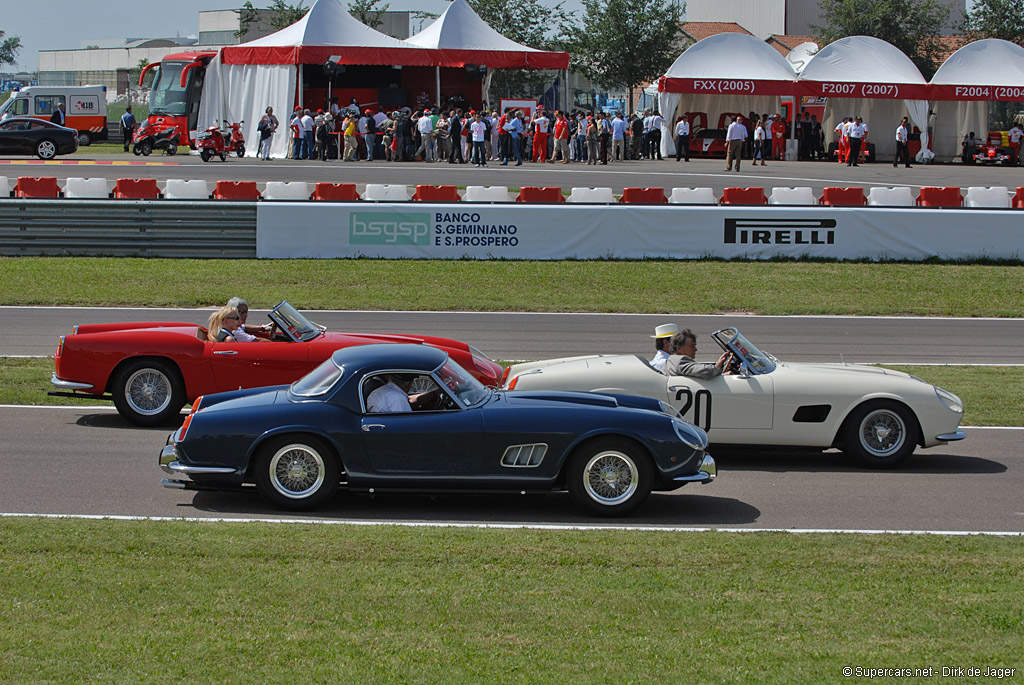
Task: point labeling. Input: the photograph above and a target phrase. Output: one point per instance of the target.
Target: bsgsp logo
(389, 228)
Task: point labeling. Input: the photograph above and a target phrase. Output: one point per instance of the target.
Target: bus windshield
(167, 96)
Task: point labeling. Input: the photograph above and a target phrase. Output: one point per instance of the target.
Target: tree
(995, 19)
(281, 15)
(626, 42)
(9, 49)
(368, 12)
(913, 26)
(530, 23)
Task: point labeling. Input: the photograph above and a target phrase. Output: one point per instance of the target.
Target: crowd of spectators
(462, 135)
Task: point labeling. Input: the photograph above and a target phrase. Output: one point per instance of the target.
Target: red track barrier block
(236, 190)
(845, 197)
(29, 186)
(940, 197)
(136, 189)
(1018, 199)
(436, 194)
(547, 194)
(335, 192)
(743, 196)
(646, 196)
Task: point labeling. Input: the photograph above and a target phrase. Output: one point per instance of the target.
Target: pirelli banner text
(575, 231)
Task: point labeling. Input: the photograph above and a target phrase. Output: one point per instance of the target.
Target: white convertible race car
(876, 415)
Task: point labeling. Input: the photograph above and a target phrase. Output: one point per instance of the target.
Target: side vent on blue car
(524, 455)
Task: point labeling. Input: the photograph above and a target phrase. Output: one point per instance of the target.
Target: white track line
(517, 526)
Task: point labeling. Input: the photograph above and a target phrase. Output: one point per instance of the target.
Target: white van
(85, 108)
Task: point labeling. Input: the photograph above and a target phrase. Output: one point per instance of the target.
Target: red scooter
(221, 141)
(147, 139)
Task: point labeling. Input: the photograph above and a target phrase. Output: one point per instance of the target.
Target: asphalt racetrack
(89, 461)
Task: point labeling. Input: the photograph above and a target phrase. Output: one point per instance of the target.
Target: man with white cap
(661, 336)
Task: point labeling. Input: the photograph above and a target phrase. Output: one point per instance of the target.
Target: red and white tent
(460, 37)
(980, 72)
(868, 77)
(728, 72)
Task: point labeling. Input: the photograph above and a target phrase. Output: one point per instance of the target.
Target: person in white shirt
(425, 125)
(390, 398)
(1016, 137)
(734, 137)
(478, 131)
(306, 122)
(540, 136)
(655, 135)
(760, 143)
(683, 138)
(662, 335)
(858, 133)
(902, 151)
(244, 333)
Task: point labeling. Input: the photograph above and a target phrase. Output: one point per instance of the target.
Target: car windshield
(756, 361)
(298, 327)
(167, 97)
(319, 380)
(466, 389)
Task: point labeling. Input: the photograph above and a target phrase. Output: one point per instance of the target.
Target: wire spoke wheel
(148, 391)
(610, 477)
(297, 471)
(882, 432)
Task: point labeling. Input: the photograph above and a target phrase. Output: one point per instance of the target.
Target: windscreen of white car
(757, 362)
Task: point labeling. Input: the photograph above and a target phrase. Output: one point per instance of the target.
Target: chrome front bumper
(169, 463)
(708, 472)
(61, 384)
(951, 437)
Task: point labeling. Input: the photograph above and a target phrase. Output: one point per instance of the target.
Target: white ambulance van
(85, 108)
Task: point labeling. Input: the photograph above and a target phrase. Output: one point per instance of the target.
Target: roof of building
(786, 43)
(697, 30)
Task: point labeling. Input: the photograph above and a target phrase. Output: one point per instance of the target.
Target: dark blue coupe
(407, 416)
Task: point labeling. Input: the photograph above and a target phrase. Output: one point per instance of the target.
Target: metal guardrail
(128, 228)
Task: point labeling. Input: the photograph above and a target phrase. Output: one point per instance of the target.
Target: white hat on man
(665, 330)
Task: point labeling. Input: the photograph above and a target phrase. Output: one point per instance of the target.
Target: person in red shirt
(561, 138)
(779, 138)
(541, 123)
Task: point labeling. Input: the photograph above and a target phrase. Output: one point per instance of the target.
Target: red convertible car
(152, 369)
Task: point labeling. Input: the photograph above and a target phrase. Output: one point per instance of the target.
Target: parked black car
(31, 136)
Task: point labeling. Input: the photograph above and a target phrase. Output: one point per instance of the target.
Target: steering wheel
(732, 364)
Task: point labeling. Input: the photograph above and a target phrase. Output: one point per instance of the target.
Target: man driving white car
(684, 346)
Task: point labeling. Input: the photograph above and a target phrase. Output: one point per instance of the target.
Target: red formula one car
(150, 370)
(994, 152)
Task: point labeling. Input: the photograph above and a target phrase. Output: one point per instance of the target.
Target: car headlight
(669, 410)
(952, 402)
(691, 435)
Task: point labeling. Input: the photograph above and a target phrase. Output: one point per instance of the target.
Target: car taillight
(60, 346)
(512, 385)
(188, 419)
(504, 375)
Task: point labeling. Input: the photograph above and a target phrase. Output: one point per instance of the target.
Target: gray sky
(63, 24)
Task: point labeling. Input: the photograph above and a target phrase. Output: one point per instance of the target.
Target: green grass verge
(994, 395)
(117, 601)
(638, 287)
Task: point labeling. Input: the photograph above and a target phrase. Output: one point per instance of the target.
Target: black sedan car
(377, 417)
(31, 136)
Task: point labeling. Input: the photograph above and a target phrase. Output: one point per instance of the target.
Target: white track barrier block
(591, 195)
(178, 189)
(900, 196)
(693, 196)
(792, 196)
(86, 187)
(382, 192)
(994, 196)
(486, 194)
(293, 190)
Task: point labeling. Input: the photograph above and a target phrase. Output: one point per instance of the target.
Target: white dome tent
(976, 74)
(733, 72)
(868, 77)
